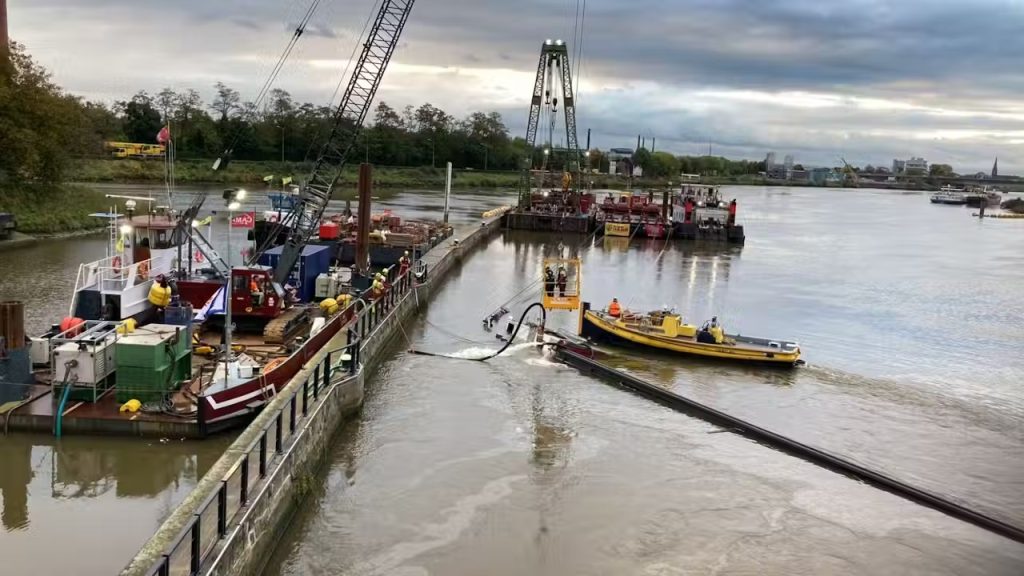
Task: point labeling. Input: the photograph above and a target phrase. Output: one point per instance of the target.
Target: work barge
(693, 212)
(554, 198)
(119, 364)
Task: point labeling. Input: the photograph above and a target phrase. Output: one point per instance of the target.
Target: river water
(908, 314)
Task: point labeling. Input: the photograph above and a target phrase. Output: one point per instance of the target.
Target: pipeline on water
(789, 446)
(508, 342)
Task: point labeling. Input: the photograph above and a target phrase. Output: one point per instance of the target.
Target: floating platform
(691, 231)
(541, 222)
(36, 414)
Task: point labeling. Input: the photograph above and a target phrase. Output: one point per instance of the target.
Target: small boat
(665, 330)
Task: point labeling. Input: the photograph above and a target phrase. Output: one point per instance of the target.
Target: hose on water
(511, 339)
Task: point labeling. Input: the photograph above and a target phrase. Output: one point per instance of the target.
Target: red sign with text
(244, 220)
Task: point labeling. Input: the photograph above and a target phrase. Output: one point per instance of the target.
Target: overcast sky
(867, 80)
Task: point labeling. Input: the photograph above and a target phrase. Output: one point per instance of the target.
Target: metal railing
(251, 472)
(249, 476)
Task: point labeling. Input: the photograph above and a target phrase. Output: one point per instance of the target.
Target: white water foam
(478, 352)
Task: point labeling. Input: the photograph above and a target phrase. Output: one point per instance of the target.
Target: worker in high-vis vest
(614, 310)
(160, 292)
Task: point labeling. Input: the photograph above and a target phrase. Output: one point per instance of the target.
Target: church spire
(995, 168)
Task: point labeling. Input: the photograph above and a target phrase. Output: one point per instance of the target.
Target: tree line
(42, 127)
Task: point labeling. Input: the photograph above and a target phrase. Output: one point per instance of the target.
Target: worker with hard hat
(404, 263)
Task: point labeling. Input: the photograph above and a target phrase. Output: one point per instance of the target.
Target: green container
(151, 384)
(183, 367)
(147, 347)
(142, 384)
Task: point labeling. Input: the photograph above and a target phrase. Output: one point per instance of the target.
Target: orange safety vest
(614, 309)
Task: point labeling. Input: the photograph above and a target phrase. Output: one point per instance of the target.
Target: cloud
(865, 79)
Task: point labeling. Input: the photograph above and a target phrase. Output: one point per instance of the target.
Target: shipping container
(315, 260)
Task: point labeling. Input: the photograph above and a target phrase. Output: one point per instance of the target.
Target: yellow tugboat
(666, 330)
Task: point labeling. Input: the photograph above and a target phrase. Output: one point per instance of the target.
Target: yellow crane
(851, 174)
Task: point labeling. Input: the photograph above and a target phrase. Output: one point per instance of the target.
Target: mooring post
(363, 235)
(447, 189)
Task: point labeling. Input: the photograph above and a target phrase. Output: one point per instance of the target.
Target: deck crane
(553, 55)
(346, 124)
(303, 219)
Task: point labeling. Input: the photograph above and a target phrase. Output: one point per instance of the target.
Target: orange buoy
(71, 325)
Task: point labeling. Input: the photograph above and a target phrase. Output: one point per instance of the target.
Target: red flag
(164, 135)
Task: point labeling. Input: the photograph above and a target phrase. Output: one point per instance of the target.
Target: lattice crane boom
(346, 124)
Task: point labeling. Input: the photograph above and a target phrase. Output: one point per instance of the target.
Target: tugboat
(699, 213)
(665, 331)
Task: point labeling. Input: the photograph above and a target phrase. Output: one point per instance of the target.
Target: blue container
(15, 375)
(315, 260)
(180, 315)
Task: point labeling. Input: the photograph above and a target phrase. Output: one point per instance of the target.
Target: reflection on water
(126, 486)
(15, 475)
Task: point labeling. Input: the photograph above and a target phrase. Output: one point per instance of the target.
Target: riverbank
(243, 172)
(49, 210)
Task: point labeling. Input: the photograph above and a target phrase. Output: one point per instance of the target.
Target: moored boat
(700, 213)
(666, 331)
(979, 197)
(949, 195)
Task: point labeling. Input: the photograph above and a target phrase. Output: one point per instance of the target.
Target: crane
(553, 54)
(346, 123)
(850, 173)
(272, 310)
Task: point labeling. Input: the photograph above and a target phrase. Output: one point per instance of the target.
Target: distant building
(995, 168)
(769, 161)
(913, 166)
(916, 166)
(618, 158)
(980, 176)
(799, 175)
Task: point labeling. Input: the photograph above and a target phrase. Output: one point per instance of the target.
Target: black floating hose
(511, 339)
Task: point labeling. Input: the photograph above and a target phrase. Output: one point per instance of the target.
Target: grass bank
(243, 172)
(53, 209)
